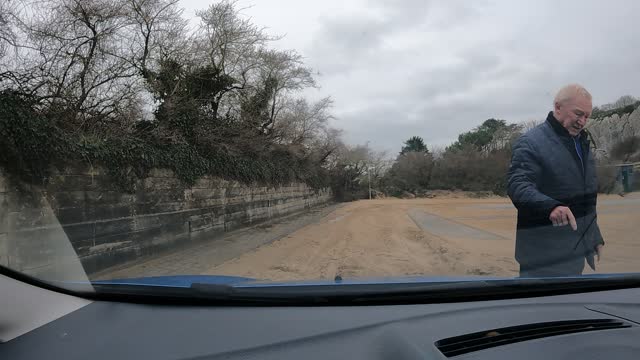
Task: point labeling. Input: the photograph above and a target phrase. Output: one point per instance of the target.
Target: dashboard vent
(463, 344)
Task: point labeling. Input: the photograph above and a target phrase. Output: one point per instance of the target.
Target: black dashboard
(110, 330)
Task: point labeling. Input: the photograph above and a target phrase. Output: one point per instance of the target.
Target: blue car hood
(177, 280)
(188, 280)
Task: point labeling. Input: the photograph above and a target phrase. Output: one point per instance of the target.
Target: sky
(434, 69)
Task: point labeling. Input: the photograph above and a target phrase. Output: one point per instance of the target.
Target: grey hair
(570, 91)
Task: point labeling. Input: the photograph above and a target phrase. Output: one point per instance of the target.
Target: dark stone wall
(108, 227)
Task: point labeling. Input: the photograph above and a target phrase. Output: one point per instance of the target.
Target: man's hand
(562, 216)
(599, 251)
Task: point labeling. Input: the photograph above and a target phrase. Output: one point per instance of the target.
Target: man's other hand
(599, 251)
(562, 216)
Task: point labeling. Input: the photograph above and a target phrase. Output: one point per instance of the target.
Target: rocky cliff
(611, 129)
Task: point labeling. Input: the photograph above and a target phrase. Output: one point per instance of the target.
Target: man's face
(573, 114)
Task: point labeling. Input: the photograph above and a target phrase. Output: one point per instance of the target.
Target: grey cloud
(454, 78)
(387, 126)
(350, 35)
(438, 109)
(342, 40)
(511, 76)
(402, 13)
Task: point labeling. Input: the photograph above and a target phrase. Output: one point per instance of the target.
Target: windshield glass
(171, 142)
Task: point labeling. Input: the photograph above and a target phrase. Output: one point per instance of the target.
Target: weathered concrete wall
(108, 227)
(31, 238)
(4, 222)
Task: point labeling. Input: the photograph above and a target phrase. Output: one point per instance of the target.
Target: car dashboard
(593, 325)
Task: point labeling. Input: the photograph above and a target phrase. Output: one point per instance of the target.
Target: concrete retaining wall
(107, 227)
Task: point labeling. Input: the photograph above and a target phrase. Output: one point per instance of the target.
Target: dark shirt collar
(558, 128)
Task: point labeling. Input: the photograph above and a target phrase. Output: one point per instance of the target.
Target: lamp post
(369, 176)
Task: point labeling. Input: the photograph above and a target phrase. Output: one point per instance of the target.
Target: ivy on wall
(32, 144)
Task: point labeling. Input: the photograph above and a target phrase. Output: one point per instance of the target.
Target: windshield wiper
(470, 290)
(319, 294)
(265, 294)
(363, 294)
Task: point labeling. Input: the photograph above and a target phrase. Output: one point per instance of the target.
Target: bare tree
(228, 38)
(355, 159)
(503, 138)
(530, 124)
(286, 71)
(625, 100)
(12, 39)
(379, 164)
(354, 168)
(228, 43)
(324, 149)
(437, 151)
(300, 122)
(89, 58)
(7, 36)
(74, 55)
(160, 32)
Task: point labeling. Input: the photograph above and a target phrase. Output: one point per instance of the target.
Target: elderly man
(552, 183)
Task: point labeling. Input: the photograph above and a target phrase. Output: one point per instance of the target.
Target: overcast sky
(401, 68)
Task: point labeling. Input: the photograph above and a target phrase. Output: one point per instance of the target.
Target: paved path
(442, 227)
(197, 259)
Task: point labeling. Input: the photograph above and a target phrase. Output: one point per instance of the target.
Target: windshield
(175, 142)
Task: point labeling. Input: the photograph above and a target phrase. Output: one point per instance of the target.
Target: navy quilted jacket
(547, 171)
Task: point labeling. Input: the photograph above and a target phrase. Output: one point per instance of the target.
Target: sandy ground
(377, 238)
(445, 236)
(450, 236)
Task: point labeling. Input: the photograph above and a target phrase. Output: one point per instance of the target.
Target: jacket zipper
(577, 143)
